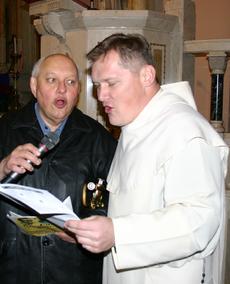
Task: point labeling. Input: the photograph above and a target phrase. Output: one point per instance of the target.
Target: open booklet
(50, 212)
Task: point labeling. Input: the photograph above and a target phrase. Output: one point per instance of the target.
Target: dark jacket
(83, 154)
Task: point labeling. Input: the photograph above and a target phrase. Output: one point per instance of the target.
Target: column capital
(218, 126)
(40, 8)
(54, 17)
(217, 61)
(55, 23)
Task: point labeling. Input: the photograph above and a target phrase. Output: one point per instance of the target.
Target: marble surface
(206, 46)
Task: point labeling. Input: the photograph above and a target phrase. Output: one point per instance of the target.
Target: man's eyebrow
(106, 80)
(49, 73)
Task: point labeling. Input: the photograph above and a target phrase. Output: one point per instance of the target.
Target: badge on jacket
(92, 196)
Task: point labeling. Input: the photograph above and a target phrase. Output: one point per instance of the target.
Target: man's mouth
(108, 109)
(60, 103)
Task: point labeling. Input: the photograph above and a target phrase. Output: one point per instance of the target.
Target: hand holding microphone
(25, 156)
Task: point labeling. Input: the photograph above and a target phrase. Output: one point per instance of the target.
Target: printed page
(42, 201)
(42, 224)
(52, 213)
(33, 225)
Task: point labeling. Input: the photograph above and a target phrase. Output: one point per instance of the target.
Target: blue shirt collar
(44, 127)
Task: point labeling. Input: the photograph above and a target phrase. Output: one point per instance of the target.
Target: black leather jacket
(83, 154)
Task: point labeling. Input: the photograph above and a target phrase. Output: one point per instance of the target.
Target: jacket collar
(76, 121)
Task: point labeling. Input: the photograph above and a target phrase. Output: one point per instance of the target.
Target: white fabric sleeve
(190, 221)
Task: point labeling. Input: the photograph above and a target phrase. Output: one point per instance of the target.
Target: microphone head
(50, 140)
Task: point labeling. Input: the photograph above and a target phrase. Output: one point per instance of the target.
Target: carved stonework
(206, 46)
(77, 32)
(217, 62)
(44, 7)
(54, 17)
(55, 23)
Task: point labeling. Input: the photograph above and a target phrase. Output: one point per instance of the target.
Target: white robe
(166, 186)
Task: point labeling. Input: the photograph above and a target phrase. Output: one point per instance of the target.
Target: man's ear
(148, 75)
(33, 86)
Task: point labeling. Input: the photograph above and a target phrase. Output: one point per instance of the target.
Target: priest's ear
(33, 86)
(148, 75)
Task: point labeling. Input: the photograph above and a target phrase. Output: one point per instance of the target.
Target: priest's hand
(95, 233)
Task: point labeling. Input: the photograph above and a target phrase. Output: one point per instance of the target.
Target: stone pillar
(216, 51)
(217, 63)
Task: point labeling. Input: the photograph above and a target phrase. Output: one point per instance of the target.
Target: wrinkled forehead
(59, 63)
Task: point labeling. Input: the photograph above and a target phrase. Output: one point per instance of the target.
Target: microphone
(48, 142)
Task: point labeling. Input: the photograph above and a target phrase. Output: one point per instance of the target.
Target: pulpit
(66, 28)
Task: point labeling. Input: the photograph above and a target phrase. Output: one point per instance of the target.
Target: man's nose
(61, 86)
(102, 93)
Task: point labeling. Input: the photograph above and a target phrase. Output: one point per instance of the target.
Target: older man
(83, 154)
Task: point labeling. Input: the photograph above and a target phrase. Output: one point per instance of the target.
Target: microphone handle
(47, 143)
(11, 178)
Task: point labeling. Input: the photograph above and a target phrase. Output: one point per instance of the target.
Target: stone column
(217, 63)
(216, 51)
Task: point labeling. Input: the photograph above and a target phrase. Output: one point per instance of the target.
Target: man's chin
(116, 123)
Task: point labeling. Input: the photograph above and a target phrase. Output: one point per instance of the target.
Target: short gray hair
(37, 65)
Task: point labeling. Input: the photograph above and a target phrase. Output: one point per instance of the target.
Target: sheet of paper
(51, 212)
(59, 220)
(42, 201)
